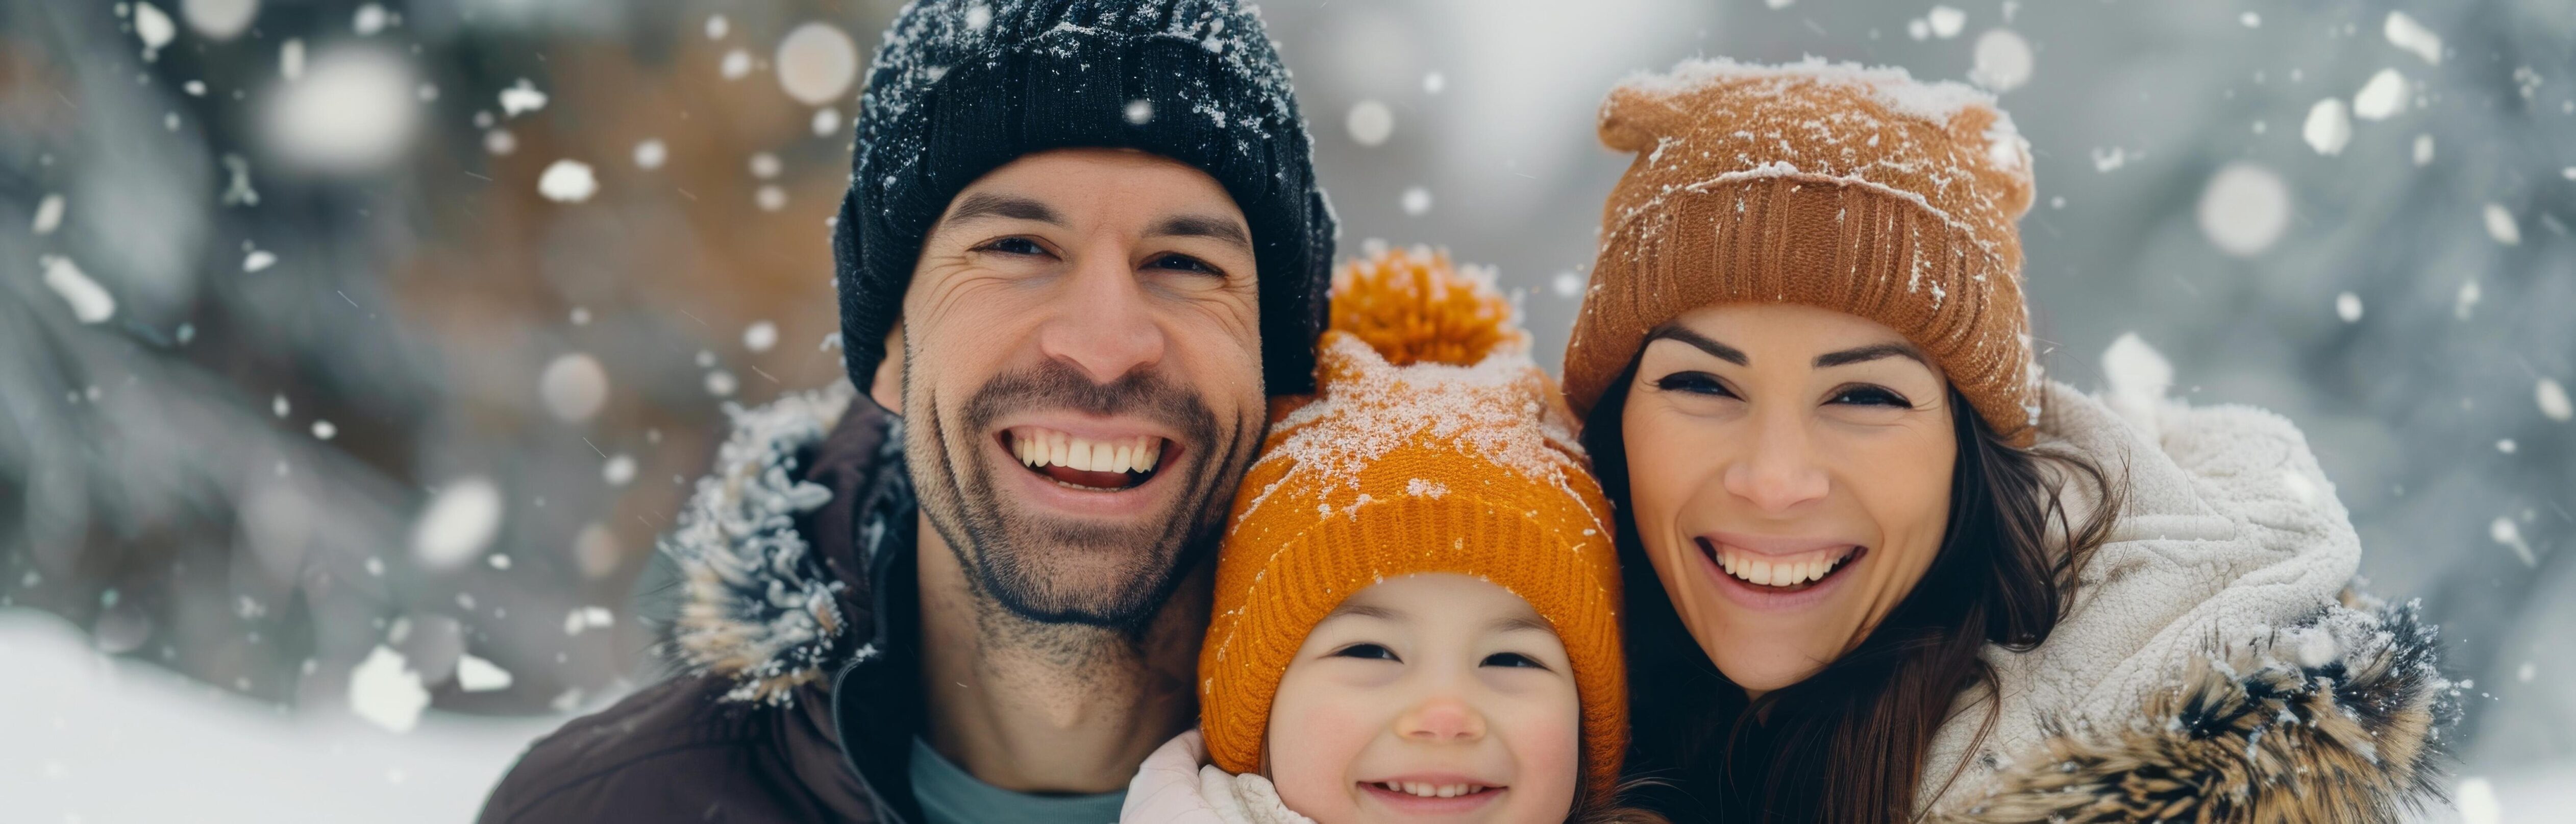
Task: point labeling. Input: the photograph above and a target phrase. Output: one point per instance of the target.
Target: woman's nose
(1441, 720)
(1781, 471)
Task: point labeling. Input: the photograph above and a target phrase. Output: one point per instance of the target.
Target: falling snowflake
(2553, 400)
(816, 63)
(90, 303)
(2501, 225)
(477, 675)
(1370, 122)
(2381, 98)
(1417, 201)
(568, 181)
(619, 471)
(386, 692)
(574, 386)
(2329, 127)
(49, 215)
(153, 26)
(2407, 34)
(457, 524)
(521, 99)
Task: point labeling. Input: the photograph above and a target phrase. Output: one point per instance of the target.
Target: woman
(1878, 570)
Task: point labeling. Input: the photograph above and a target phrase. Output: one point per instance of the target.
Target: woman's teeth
(1762, 570)
(1417, 788)
(1041, 448)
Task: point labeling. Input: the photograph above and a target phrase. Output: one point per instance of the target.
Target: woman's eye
(1183, 263)
(1872, 396)
(1511, 659)
(1696, 383)
(1013, 246)
(1371, 652)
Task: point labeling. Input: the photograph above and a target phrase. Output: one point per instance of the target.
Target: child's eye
(1695, 383)
(1367, 651)
(1511, 659)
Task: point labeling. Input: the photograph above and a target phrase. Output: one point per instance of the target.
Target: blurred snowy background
(353, 353)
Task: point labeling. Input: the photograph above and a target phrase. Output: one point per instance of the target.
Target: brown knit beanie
(1854, 189)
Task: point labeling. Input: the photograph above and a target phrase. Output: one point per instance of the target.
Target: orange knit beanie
(1854, 189)
(1433, 444)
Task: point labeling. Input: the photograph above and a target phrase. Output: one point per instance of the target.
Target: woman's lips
(1799, 591)
(1787, 572)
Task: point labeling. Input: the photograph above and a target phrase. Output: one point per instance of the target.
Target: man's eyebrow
(988, 204)
(1216, 228)
(1870, 353)
(1698, 341)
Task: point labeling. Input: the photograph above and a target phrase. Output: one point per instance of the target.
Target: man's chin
(1112, 573)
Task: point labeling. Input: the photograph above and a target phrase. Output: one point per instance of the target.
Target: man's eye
(1872, 396)
(1372, 652)
(1511, 659)
(1696, 383)
(1183, 263)
(1013, 246)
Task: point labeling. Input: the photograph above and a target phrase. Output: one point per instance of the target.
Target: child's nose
(1441, 720)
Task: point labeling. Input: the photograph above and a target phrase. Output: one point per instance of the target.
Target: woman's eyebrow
(1521, 623)
(1870, 353)
(1701, 342)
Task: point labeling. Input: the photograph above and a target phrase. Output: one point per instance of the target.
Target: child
(1415, 598)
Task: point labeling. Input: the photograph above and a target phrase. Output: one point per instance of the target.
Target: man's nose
(1101, 323)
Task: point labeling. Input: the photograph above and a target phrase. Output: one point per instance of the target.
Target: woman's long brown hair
(1848, 743)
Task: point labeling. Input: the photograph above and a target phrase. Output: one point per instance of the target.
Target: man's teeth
(1417, 788)
(1046, 447)
(1779, 572)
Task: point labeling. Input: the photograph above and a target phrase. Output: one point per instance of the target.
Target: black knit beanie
(962, 87)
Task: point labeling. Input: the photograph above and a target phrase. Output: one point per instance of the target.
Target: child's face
(1423, 687)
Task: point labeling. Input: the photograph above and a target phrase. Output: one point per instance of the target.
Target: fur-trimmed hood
(2213, 666)
(761, 604)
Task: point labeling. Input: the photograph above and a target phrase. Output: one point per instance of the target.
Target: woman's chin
(1761, 671)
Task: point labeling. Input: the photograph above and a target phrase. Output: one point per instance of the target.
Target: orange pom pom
(1414, 306)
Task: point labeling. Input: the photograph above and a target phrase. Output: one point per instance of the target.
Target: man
(1082, 244)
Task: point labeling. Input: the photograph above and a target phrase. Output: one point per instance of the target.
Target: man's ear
(886, 388)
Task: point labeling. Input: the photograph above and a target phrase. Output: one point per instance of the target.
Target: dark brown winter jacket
(797, 700)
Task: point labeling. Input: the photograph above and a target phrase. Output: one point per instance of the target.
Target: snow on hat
(963, 87)
(1855, 189)
(1433, 445)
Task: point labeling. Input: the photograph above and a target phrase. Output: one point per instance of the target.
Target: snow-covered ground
(85, 737)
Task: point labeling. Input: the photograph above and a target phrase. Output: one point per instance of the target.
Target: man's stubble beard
(1060, 589)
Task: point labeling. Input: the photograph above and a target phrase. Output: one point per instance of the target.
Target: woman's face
(1432, 697)
(1789, 469)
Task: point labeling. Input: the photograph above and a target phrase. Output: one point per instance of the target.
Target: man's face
(1082, 379)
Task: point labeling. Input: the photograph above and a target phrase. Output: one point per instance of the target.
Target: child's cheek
(1316, 733)
(1546, 743)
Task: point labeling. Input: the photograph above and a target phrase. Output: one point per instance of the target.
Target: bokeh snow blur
(353, 353)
